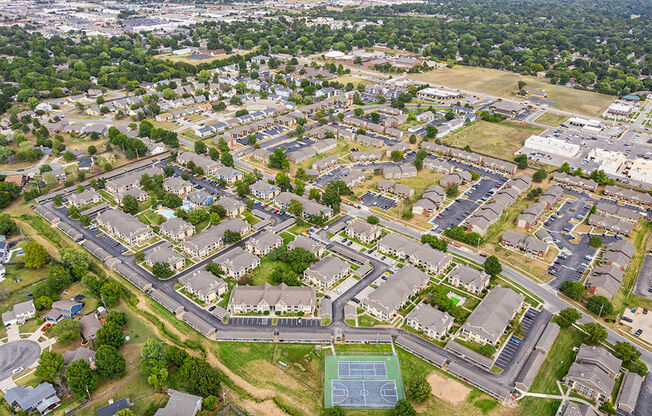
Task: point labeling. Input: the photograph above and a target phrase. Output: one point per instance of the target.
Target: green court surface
(455, 300)
(362, 381)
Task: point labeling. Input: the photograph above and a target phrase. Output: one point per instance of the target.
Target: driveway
(22, 353)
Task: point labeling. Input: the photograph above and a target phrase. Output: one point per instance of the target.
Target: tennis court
(363, 382)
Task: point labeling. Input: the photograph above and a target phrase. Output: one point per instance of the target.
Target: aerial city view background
(325, 207)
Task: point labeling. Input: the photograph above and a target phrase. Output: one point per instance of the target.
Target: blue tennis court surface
(364, 394)
(361, 369)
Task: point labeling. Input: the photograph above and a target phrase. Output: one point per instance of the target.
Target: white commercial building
(552, 145)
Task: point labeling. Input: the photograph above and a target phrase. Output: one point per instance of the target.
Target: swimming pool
(167, 213)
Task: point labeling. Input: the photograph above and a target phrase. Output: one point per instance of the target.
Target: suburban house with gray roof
(575, 409)
(385, 301)
(88, 197)
(81, 353)
(362, 231)
(455, 179)
(42, 398)
(551, 196)
(177, 229)
(20, 313)
(237, 263)
(313, 246)
(432, 260)
(263, 243)
(398, 245)
(209, 165)
(604, 281)
(204, 285)
(531, 215)
(275, 299)
(164, 253)
(575, 181)
(200, 245)
(527, 244)
(397, 189)
(89, 325)
(177, 186)
(430, 201)
(180, 404)
(470, 279)
(593, 373)
(137, 193)
(610, 223)
(326, 272)
(264, 190)
(310, 207)
(629, 195)
(124, 226)
(619, 254)
(616, 211)
(432, 322)
(233, 206)
(490, 318)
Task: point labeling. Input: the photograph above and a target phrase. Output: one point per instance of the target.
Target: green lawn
(529, 406)
(249, 217)
(263, 273)
(287, 237)
(558, 361)
(366, 320)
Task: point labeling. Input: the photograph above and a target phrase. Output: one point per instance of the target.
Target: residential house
(124, 226)
(455, 179)
(605, 281)
(470, 279)
(367, 156)
(42, 398)
(263, 243)
(397, 189)
(114, 407)
(200, 245)
(89, 325)
(528, 244)
(432, 322)
(619, 254)
(237, 263)
(165, 254)
(437, 165)
(177, 186)
(180, 404)
(385, 301)
(63, 309)
(490, 318)
(281, 299)
(618, 212)
(308, 244)
(593, 373)
(20, 313)
(204, 285)
(612, 224)
(177, 229)
(81, 353)
(209, 165)
(229, 175)
(575, 181)
(629, 195)
(430, 201)
(399, 171)
(327, 272)
(233, 207)
(531, 215)
(629, 393)
(264, 190)
(362, 231)
(86, 198)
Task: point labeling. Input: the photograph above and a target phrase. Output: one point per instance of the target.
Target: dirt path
(32, 234)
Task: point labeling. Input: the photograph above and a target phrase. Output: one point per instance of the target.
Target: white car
(17, 370)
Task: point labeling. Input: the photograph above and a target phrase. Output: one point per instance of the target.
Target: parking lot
(644, 282)
(250, 321)
(453, 214)
(294, 145)
(298, 322)
(513, 344)
(107, 241)
(372, 199)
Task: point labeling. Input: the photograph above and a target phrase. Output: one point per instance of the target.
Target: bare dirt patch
(447, 389)
(265, 408)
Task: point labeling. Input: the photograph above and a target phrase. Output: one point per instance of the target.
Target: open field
(185, 58)
(505, 84)
(500, 140)
(551, 119)
(263, 273)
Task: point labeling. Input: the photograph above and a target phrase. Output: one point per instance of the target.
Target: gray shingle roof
(494, 312)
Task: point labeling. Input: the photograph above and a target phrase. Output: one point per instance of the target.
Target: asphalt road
(22, 353)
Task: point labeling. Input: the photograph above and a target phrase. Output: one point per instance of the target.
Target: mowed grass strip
(551, 119)
(558, 361)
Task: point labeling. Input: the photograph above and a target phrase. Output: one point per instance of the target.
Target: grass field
(558, 361)
(262, 274)
(505, 84)
(500, 140)
(537, 406)
(551, 119)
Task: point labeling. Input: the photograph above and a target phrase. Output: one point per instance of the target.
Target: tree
(74, 259)
(227, 159)
(231, 237)
(594, 334)
(152, 357)
(278, 160)
(568, 317)
(595, 241)
(67, 330)
(492, 266)
(295, 208)
(452, 191)
(73, 212)
(82, 380)
(169, 171)
(130, 204)
(335, 411)
(419, 390)
(574, 290)
(125, 412)
(162, 270)
(158, 378)
(85, 220)
(50, 364)
(403, 408)
(110, 334)
(210, 403)
(110, 293)
(565, 168)
(521, 160)
(396, 156)
(35, 255)
(299, 259)
(119, 318)
(92, 150)
(314, 194)
(373, 220)
(58, 200)
(626, 352)
(109, 362)
(7, 225)
(431, 132)
(600, 306)
(283, 181)
(539, 175)
(43, 302)
(200, 148)
(488, 350)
